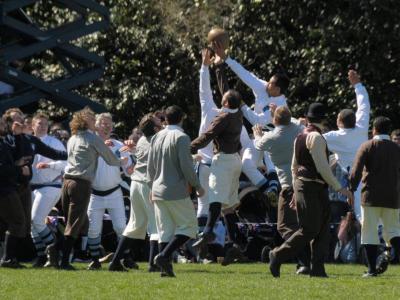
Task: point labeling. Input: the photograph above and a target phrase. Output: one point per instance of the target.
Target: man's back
(170, 165)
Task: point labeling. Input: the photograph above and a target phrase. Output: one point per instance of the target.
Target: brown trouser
(313, 214)
(25, 196)
(287, 217)
(75, 196)
(12, 213)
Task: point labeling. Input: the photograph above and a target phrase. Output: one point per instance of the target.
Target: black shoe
(94, 265)
(52, 256)
(116, 267)
(232, 254)
(201, 245)
(67, 267)
(382, 263)
(274, 265)
(11, 263)
(129, 263)
(368, 275)
(154, 268)
(303, 270)
(39, 261)
(165, 266)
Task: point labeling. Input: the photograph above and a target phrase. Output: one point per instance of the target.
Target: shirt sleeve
(363, 106)
(186, 161)
(151, 163)
(294, 165)
(206, 98)
(105, 152)
(215, 128)
(254, 118)
(358, 167)
(262, 143)
(257, 85)
(44, 150)
(317, 146)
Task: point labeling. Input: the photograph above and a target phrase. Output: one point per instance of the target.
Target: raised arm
(363, 105)
(49, 152)
(216, 126)
(102, 149)
(206, 98)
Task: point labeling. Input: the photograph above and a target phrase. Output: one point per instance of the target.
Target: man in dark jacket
(11, 211)
(377, 165)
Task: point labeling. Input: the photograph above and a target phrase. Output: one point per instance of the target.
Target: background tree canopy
(152, 53)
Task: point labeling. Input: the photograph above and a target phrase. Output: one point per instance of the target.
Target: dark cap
(316, 110)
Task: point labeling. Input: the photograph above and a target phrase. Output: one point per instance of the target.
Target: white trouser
(372, 217)
(202, 203)
(114, 204)
(43, 200)
(142, 217)
(224, 179)
(175, 217)
(250, 161)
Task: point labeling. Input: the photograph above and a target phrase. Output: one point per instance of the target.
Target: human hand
(124, 161)
(197, 157)
(303, 121)
(23, 161)
(272, 108)
(257, 131)
(349, 195)
(26, 171)
(109, 143)
(200, 192)
(130, 169)
(354, 78)
(42, 165)
(206, 57)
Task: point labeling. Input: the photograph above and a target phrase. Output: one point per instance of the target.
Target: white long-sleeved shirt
(345, 142)
(261, 113)
(208, 112)
(108, 177)
(52, 174)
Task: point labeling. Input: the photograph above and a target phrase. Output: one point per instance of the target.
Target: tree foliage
(152, 52)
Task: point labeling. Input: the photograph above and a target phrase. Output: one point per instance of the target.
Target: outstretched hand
(257, 130)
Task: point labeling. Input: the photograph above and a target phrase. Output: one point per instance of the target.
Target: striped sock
(46, 236)
(94, 247)
(39, 245)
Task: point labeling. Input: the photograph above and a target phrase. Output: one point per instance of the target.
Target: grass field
(239, 281)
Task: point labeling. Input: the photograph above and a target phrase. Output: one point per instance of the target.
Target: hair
(233, 98)
(79, 120)
(102, 116)
(146, 125)
(282, 81)
(395, 133)
(348, 118)
(174, 114)
(282, 115)
(40, 115)
(382, 125)
(7, 115)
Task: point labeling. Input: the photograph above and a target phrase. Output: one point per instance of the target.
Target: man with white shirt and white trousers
(106, 192)
(352, 132)
(46, 192)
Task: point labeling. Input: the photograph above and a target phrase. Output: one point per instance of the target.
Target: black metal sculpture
(21, 39)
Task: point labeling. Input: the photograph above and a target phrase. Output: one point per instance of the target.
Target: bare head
(104, 125)
(84, 119)
(231, 99)
(278, 84)
(346, 119)
(282, 116)
(40, 124)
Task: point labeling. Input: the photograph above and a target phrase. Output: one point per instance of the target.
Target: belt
(105, 193)
(42, 185)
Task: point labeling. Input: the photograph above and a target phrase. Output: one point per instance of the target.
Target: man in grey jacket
(170, 170)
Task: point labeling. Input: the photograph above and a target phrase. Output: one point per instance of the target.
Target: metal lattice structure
(21, 39)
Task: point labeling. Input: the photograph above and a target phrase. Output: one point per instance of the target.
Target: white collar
(229, 110)
(381, 137)
(174, 127)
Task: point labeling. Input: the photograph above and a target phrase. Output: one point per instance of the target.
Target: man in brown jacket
(377, 165)
(226, 164)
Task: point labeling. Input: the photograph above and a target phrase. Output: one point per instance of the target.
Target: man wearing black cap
(311, 177)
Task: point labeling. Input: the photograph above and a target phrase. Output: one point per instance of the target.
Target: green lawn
(239, 281)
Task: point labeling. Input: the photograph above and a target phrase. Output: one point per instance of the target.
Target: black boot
(115, 265)
(208, 234)
(9, 259)
(152, 253)
(371, 254)
(69, 242)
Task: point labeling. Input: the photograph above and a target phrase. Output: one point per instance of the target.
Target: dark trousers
(313, 212)
(12, 214)
(75, 196)
(287, 217)
(25, 196)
